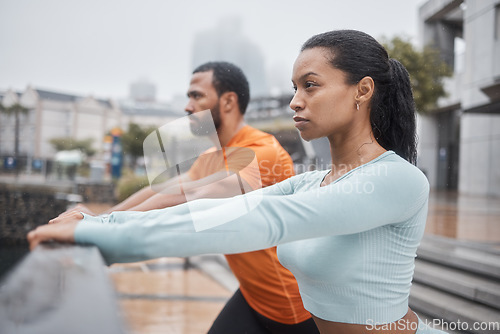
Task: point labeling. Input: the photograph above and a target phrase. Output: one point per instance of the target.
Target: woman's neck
(349, 153)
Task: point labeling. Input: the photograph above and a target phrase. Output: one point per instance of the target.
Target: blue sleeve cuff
(103, 219)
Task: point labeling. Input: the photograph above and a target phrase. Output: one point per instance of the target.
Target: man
(268, 299)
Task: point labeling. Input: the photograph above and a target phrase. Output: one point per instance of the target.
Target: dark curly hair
(228, 77)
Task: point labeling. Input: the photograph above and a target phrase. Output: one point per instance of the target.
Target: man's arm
(170, 186)
(135, 199)
(224, 180)
(217, 185)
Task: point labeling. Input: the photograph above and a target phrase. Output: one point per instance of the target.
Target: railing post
(59, 289)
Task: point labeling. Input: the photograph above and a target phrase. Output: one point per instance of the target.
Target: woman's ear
(365, 89)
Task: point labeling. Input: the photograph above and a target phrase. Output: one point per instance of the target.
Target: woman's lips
(299, 121)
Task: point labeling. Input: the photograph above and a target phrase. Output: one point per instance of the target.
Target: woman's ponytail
(393, 118)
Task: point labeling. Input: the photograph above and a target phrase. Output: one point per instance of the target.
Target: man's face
(202, 96)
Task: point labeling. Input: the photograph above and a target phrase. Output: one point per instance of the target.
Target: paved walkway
(462, 217)
(161, 297)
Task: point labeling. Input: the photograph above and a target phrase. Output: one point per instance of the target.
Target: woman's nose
(296, 103)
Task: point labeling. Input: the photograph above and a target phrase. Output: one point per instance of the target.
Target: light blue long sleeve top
(351, 244)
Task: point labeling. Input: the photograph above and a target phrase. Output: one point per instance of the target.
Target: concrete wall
(428, 147)
(481, 59)
(480, 154)
(24, 208)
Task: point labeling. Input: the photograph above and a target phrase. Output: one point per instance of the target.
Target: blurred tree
(68, 143)
(426, 69)
(133, 139)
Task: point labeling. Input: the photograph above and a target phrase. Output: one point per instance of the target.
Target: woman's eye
(309, 84)
(294, 89)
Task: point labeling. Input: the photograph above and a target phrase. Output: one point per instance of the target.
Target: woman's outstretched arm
(358, 203)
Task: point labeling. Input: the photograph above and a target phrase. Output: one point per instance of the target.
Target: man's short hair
(228, 77)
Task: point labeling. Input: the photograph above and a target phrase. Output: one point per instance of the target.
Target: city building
(460, 140)
(53, 114)
(143, 109)
(148, 114)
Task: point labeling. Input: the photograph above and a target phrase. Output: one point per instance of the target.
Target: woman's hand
(62, 229)
(78, 208)
(67, 217)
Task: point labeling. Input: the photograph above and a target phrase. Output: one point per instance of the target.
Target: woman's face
(324, 104)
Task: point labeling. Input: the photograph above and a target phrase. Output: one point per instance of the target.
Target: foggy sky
(100, 47)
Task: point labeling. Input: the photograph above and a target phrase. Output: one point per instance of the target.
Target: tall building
(226, 42)
(143, 109)
(460, 140)
(142, 90)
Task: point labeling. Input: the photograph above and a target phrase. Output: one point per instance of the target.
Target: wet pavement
(162, 297)
(464, 217)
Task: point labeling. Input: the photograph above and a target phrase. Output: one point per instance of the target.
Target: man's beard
(204, 125)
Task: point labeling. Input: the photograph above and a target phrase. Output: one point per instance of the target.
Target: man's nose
(189, 108)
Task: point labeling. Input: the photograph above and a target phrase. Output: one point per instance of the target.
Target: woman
(349, 234)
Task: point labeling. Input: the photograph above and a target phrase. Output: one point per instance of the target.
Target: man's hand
(61, 230)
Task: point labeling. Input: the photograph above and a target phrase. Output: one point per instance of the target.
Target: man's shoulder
(259, 141)
(265, 146)
(255, 138)
(255, 134)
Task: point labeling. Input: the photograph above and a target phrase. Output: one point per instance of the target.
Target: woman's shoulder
(394, 168)
(396, 162)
